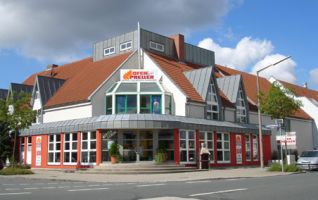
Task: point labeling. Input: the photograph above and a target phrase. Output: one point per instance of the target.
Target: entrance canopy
(139, 121)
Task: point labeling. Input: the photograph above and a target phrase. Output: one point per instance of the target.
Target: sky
(244, 34)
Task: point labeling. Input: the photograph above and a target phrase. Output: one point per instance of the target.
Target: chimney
(51, 68)
(305, 85)
(179, 43)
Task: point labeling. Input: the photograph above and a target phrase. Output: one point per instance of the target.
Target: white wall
(178, 96)
(68, 112)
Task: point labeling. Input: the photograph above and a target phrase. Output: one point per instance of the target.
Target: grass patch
(276, 167)
(15, 171)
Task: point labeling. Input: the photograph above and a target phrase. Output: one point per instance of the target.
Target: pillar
(176, 146)
(79, 143)
(25, 150)
(98, 147)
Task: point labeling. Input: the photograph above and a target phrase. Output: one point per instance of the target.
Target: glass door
(129, 146)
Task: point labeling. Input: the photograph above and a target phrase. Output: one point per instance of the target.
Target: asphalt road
(291, 187)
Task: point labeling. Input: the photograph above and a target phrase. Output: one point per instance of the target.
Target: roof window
(157, 46)
(109, 51)
(125, 46)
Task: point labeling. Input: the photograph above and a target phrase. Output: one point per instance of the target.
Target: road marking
(33, 188)
(8, 184)
(87, 189)
(93, 185)
(24, 184)
(198, 182)
(151, 185)
(12, 188)
(218, 192)
(3, 194)
(48, 187)
(77, 186)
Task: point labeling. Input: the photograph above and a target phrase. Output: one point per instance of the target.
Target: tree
(15, 114)
(279, 103)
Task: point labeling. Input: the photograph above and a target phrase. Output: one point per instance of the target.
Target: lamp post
(259, 109)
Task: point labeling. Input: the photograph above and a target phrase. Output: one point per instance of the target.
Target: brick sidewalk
(191, 176)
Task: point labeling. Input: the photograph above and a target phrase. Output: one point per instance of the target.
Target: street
(291, 187)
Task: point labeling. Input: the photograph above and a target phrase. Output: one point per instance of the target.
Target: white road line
(77, 186)
(87, 189)
(8, 184)
(4, 194)
(198, 182)
(218, 192)
(12, 188)
(48, 187)
(93, 185)
(33, 188)
(150, 185)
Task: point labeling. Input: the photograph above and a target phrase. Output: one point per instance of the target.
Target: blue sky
(246, 35)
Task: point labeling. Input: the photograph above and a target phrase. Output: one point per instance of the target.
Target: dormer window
(157, 46)
(212, 103)
(241, 115)
(109, 51)
(125, 46)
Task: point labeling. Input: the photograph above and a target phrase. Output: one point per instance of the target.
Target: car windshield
(309, 154)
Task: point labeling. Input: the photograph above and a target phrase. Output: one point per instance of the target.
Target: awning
(139, 121)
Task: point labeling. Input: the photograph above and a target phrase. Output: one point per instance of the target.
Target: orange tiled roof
(81, 78)
(250, 87)
(175, 70)
(301, 91)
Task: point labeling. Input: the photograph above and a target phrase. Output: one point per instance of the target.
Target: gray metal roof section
(139, 121)
(47, 87)
(3, 94)
(16, 88)
(200, 79)
(230, 86)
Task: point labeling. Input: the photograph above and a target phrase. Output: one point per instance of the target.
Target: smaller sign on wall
(289, 139)
(38, 151)
(136, 75)
(238, 141)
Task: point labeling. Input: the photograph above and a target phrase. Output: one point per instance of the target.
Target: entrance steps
(139, 168)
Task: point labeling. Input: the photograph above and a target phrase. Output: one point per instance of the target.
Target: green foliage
(15, 171)
(21, 118)
(160, 157)
(114, 149)
(279, 103)
(277, 167)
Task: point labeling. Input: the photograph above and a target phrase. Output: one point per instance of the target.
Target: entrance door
(29, 151)
(129, 146)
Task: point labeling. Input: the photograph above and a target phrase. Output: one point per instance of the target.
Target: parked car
(308, 160)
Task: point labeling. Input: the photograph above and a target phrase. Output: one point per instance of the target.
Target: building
(146, 92)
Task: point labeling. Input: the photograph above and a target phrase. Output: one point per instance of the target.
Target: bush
(276, 167)
(15, 171)
(114, 149)
(160, 157)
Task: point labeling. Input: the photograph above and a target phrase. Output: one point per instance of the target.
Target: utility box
(204, 158)
(291, 159)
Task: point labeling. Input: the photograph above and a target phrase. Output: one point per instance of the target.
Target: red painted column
(252, 148)
(176, 146)
(62, 149)
(33, 141)
(267, 148)
(45, 147)
(215, 147)
(233, 148)
(197, 146)
(98, 147)
(243, 149)
(79, 149)
(25, 150)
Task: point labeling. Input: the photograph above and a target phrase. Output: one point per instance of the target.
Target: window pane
(191, 156)
(191, 135)
(67, 146)
(219, 136)
(74, 137)
(219, 155)
(57, 157)
(93, 144)
(183, 144)
(51, 139)
(210, 136)
(93, 135)
(219, 145)
(84, 145)
(156, 104)
(58, 138)
(183, 135)
(202, 135)
(131, 104)
(92, 156)
(183, 156)
(144, 103)
(51, 156)
(226, 156)
(109, 104)
(149, 87)
(210, 145)
(66, 157)
(84, 157)
(226, 137)
(84, 135)
(58, 146)
(226, 145)
(127, 87)
(191, 144)
(74, 157)
(120, 104)
(51, 147)
(67, 137)
(74, 145)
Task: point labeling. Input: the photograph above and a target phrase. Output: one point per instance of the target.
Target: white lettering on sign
(136, 75)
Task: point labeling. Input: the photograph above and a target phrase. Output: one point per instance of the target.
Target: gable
(230, 86)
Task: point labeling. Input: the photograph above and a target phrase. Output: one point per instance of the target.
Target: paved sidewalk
(191, 176)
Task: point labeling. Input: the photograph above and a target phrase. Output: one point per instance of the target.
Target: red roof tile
(81, 78)
(250, 87)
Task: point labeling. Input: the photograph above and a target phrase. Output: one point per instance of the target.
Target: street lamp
(259, 109)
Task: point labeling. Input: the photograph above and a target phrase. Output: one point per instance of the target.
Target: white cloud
(283, 71)
(313, 76)
(61, 30)
(247, 52)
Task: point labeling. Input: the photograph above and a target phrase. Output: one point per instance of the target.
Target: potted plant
(114, 152)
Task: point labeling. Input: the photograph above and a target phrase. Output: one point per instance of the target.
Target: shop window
(109, 105)
(150, 104)
(145, 148)
(126, 104)
(88, 147)
(156, 46)
(166, 142)
(109, 51)
(248, 147)
(223, 147)
(22, 149)
(54, 149)
(206, 138)
(70, 148)
(168, 104)
(187, 146)
(212, 103)
(255, 148)
(125, 46)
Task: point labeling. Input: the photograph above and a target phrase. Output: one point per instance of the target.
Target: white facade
(68, 112)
